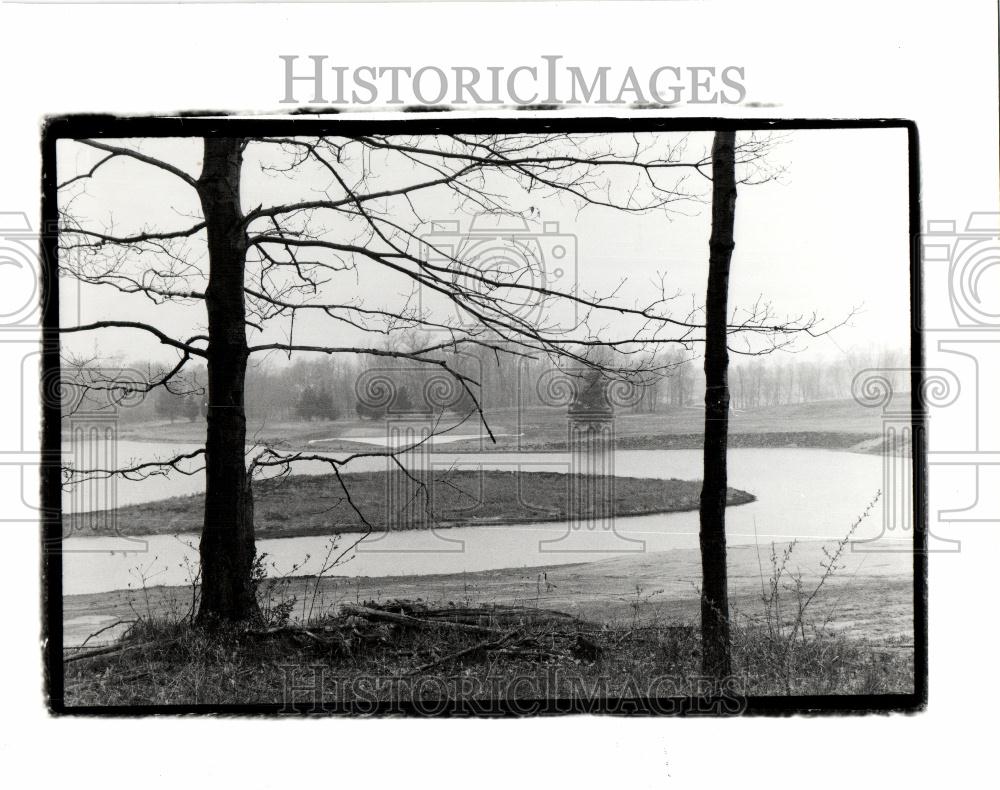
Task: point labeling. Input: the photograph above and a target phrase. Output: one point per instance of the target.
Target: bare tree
(712, 535)
(260, 269)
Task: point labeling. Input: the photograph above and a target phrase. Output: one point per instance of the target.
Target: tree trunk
(227, 538)
(715, 593)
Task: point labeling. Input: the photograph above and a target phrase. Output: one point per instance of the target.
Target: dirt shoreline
(871, 597)
(866, 443)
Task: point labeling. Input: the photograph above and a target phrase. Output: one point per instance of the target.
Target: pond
(801, 493)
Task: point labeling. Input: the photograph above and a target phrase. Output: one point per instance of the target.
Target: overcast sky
(829, 235)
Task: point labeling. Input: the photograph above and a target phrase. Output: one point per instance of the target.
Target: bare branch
(161, 336)
(149, 160)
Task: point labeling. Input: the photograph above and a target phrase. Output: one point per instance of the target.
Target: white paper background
(933, 63)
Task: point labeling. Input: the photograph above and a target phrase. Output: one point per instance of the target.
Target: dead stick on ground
(402, 619)
(104, 651)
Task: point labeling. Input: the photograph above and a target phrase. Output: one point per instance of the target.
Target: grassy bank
(835, 424)
(304, 505)
(628, 623)
(351, 662)
(826, 440)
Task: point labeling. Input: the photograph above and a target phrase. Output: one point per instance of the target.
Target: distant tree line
(757, 382)
(327, 389)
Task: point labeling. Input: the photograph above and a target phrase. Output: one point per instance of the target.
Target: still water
(805, 494)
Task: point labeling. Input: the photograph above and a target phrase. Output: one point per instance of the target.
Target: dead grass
(337, 661)
(302, 505)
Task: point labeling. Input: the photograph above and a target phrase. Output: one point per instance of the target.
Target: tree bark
(227, 538)
(715, 594)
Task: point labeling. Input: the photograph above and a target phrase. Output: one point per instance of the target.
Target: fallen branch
(414, 622)
(102, 630)
(105, 651)
(495, 614)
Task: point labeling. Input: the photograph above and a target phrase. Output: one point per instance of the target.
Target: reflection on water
(805, 494)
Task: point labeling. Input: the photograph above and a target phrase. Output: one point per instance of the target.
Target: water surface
(806, 494)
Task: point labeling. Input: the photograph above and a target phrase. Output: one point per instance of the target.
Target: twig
(102, 630)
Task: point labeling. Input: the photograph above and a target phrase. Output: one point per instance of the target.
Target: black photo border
(209, 124)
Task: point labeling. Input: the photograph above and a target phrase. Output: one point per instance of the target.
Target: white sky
(828, 235)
